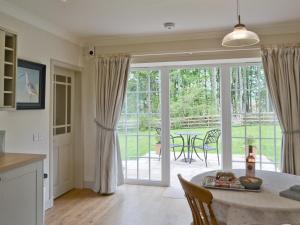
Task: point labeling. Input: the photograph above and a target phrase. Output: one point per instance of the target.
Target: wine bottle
(250, 163)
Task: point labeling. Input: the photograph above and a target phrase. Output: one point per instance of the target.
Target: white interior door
(63, 147)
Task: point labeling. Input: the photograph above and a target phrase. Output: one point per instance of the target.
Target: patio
(186, 169)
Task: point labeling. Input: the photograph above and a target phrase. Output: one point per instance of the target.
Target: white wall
(88, 87)
(39, 46)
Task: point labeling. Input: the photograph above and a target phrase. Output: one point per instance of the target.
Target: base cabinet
(21, 195)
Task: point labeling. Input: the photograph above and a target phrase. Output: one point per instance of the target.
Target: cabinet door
(20, 200)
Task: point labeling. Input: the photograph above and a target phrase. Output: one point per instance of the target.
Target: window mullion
(226, 117)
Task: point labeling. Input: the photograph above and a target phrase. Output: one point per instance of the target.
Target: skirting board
(89, 185)
(48, 204)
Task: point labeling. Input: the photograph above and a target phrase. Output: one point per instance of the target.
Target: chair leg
(191, 156)
(159, 154)
(218, 154)
(174, 154)
(178, 155)
(182, 152)
(205, 156)
(198, 155)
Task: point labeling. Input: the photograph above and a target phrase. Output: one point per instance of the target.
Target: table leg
(188, 138)
(189, 150)
(188, 142)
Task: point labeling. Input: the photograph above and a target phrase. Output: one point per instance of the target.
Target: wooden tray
(210, 182)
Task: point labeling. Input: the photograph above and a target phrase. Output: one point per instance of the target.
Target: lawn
(141, 144)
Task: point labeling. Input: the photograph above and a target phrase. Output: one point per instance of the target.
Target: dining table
(189, 135)
(265, 207)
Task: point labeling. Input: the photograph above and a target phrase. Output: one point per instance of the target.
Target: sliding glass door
(254, 121)
(195, 120)
(139, 127)
(162, 102)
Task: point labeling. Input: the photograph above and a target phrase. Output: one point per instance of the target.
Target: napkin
(290, 194)
(295, 188)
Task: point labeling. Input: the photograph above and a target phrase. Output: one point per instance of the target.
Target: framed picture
(30, 85)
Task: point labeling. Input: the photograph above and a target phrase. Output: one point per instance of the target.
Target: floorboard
(131, 205)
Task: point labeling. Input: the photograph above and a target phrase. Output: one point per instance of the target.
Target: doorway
(140, 121)
(195, 120)
(66, 128)
(63, 135)
(227, 100)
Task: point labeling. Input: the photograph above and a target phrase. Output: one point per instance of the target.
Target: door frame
(225, 84)
(165, 175)
(78, 163)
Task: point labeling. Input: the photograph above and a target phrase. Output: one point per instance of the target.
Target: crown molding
(266, 29)
(23, 15)
(17, 12)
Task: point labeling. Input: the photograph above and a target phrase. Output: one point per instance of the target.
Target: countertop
(9, 161)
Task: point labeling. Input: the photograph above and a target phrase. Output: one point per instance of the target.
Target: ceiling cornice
(23, 15)
(270, 29)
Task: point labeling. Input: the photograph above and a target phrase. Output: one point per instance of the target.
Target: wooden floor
(131, 205)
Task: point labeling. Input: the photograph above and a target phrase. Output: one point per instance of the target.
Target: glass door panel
(254, 121)
(62, 104)
(194, 112)
(139, 127)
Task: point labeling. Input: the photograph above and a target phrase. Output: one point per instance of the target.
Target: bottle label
(250, 169)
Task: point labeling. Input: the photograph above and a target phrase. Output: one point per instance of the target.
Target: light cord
(238, 11)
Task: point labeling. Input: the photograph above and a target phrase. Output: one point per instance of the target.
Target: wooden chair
(200, 201)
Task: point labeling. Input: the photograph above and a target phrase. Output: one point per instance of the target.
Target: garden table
(259, 208)
(189, 135)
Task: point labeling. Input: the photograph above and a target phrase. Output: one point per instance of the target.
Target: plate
(234, 185)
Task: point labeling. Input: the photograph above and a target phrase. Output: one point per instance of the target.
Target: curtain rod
(283, 45)
(192, 52)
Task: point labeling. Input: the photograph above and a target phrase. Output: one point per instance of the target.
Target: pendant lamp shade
(240, 37)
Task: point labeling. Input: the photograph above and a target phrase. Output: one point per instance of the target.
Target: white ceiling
(88, 18)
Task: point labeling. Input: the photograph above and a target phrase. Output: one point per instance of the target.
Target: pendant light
(240, 36)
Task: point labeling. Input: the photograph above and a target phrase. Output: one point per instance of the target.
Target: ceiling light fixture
(169, 25)
(240, 36)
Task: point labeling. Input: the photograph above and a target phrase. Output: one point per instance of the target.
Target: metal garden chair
(173, 144)
(209, 143)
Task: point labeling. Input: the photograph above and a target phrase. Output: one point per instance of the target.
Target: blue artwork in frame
(30, 85)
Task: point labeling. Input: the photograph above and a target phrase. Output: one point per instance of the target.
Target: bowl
(252, 183)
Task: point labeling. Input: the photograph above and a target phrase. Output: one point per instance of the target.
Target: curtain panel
(111, 83)
(282, 71)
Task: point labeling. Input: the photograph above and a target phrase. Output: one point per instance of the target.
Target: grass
(141, 142)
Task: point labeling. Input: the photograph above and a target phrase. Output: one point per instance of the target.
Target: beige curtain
(282, 70)
(111, 82)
